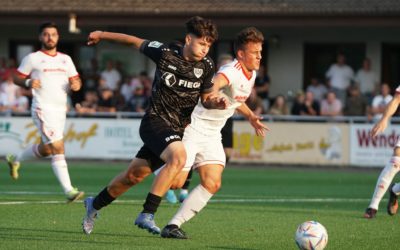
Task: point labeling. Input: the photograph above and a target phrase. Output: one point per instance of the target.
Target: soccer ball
(311, 235)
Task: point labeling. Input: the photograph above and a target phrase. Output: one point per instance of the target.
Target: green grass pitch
(257, 208)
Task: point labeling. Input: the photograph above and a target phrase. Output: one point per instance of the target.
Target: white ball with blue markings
(311, 235)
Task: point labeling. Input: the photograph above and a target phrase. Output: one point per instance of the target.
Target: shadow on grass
(12, 231)
(236, 248)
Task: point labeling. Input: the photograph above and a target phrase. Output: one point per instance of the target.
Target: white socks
(29, 153)
(384, 180)
(396, 189)
(60, 169)
(193, 204)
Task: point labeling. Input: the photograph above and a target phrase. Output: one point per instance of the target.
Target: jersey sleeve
(208, 78)
(153, 49)
(229, 72)
(71, 70)
(25, 68)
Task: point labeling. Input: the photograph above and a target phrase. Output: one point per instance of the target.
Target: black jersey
(177, 84)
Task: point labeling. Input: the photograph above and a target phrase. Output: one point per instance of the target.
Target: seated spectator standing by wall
(318, 89)
(356, 104)
(340, 76)
(279, 106)
(331, 106)
(380, 102)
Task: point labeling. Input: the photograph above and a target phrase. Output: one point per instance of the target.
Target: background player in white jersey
(391, 168)
(50, 74)
(202, 138)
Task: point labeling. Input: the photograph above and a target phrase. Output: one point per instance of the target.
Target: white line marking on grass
(311, 200)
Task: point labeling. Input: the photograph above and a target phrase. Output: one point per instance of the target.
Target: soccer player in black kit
(182, 77)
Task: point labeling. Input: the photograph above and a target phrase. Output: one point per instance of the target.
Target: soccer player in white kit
(391, 168)
(50, 74)
(202, 138)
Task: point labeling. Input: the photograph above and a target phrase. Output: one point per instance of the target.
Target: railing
(267, 118)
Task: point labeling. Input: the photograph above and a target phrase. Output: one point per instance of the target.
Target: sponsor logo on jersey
(154, 44)
(172, 67)
(169, 79)
(172, 137)
(198, 72)
(188, 84)
(241, 98)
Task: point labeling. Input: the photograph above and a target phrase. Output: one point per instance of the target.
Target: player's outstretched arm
(390, 109)
(254, 119)
(97, 36)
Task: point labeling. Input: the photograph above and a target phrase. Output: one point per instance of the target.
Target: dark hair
(47, 25)
(246, 36)
(201, 27)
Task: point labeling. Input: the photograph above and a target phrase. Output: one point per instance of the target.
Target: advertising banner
(368, 151)
(85, 138)
(293, 143)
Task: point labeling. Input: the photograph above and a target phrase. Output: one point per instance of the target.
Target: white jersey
(211, 121)
(54, 73)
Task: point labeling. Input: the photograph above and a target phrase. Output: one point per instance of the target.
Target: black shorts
(156, 135)
(227, 134)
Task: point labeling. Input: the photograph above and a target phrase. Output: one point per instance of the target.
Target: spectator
(111, 76)
(380, 102)
(9, 88)
(356, 104)
(21, 103)
(311, 107)
(279, 107)
(4, 105)
(127, 88)
(146, 83)
(340, 76)
(138, 101)
(367, 80)
(318, 89)
(89, 104)
(106, 102)
(298, 104)
(261, 84)
(331, 106)
(255, 103)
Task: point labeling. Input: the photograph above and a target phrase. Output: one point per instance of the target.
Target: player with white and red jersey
(50, 74)
(202, 138)
(54, 73)
(391, 168)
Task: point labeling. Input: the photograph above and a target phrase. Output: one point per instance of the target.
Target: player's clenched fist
(75, 84)
(35, 83)
(94, 37)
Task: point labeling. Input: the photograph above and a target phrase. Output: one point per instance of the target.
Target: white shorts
(202, 149)
(50, 124)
